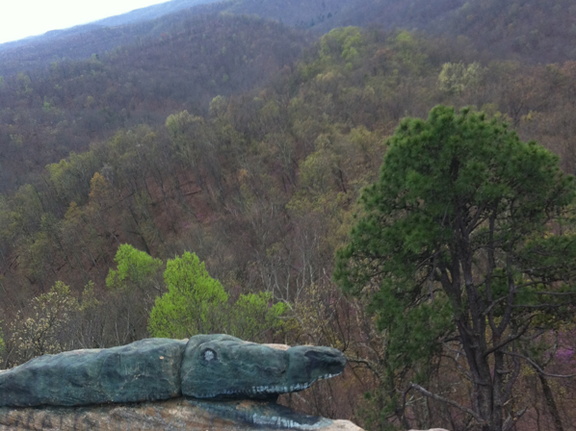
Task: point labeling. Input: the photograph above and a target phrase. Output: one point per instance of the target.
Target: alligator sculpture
(208, 367)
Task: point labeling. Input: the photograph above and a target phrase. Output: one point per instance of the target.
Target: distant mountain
(133, 17)
(307, 14)
(528, 30)
(66, 106)
(151, 12)
(101, 36)
(536, 31)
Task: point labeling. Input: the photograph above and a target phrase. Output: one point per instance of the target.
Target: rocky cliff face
(174, 415)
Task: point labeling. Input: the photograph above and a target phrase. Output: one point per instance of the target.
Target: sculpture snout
(328, 361)
(310, 363)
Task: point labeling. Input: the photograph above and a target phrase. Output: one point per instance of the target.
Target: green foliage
(456, 77)
(191, 304)
(24, 84)
(189, 136)
(435, 170)
(342, 44)
(410, 53)
(197, 303)
(71, 176)
(27, 209)
(135, 268)
(414, 332)
(455, 240)
(255, 314)
(133, 288)
(340, 50)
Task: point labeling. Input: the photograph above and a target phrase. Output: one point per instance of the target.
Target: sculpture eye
(209, 355)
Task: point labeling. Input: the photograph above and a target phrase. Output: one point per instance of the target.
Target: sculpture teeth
(270, 389)
(329, 376)
(278, 389)
(275, 389)
(282, 422)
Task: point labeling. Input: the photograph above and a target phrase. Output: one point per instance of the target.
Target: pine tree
(466, 248)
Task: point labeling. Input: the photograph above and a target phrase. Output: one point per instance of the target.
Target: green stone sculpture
(205, 367)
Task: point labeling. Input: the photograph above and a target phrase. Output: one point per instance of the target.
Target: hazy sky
(23, 18)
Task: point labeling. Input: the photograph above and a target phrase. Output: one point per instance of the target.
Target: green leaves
(461, 236)
(416, 326)
(456, 77)
(255, 314)
(444, 183)
(541, 253)
(342, 44)
(197, 303)
(134, 268)
(192, 300)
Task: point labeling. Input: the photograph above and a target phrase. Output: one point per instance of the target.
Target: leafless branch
(510, 339)
(551, 293)
(366, 364)
(447, 401)
(511, 421)
(539, 368)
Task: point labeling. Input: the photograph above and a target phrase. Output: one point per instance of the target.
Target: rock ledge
(171, 415)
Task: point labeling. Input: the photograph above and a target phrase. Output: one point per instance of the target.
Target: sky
(23, 18)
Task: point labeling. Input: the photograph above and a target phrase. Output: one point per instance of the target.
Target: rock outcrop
(431, 429)
(205, 366)
(146, 370)
(174, 415)
(209, 382)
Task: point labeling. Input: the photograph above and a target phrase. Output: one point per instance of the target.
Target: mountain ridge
(527, 30)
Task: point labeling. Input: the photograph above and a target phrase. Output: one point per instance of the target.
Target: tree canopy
(466, 249)
(197, 303)
(190, 305)
(135, 268)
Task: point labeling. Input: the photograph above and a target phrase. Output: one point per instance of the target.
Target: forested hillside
(239, 146)
(527, 30)
(82, 41)
(74, 103)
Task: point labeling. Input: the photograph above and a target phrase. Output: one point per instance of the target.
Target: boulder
(145, 370)
(431, 429)
(209, 382)
(174, 415)
(215, 366)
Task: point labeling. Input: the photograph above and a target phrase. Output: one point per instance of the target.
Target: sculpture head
(222, 366)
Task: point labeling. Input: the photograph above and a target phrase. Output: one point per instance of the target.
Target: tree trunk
(550, 401)
(487, 394)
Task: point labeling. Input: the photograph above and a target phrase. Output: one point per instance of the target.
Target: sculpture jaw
(221, 366)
